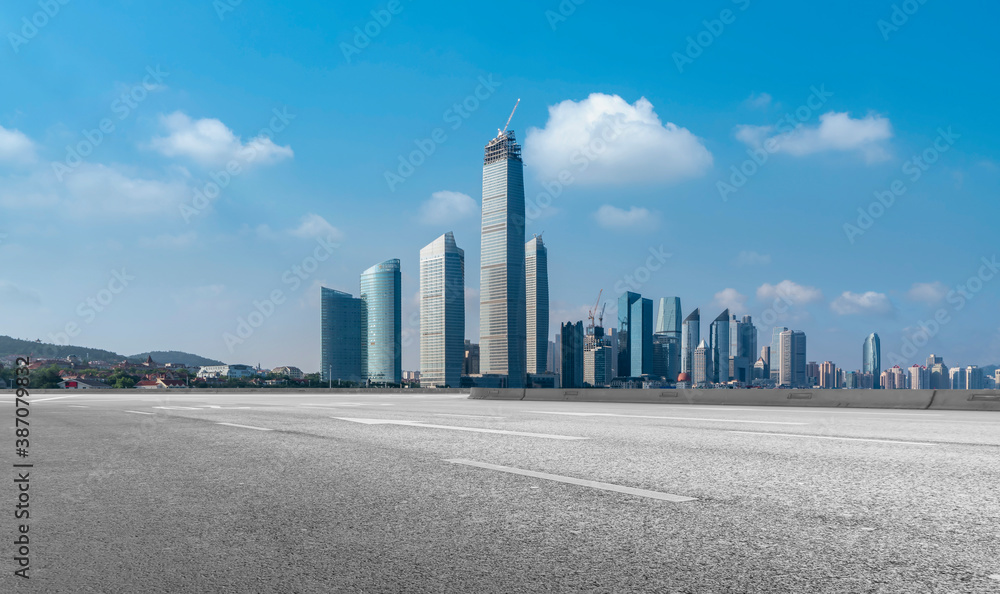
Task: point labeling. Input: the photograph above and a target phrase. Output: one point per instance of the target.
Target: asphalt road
(153, 492)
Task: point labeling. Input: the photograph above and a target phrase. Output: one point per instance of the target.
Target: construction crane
(504, 131)
(591, 314)
(600, 318)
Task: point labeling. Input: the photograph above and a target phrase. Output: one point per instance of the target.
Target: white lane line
(53, 398)
(245, 426)
(576, 414)
(454, 428)
(816, 410)
(341, 404)
(136, 412)
(916, 443)
(467, 416)
(575, 481)
(77, 406)
(177, 407)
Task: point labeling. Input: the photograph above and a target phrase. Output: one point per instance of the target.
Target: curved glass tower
(871, 359)
(718, 337)
(502, 316)
(668, 317)
(381, 292)
(442, 313)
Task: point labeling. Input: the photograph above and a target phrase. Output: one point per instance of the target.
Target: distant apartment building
(290, 372)
(702, 361)
(828, 376)
(894, 378)
(920, 377)
(792, 346)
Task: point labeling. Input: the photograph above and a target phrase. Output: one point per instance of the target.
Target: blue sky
(310, 121)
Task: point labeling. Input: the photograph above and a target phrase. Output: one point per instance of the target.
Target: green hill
(43, 350)
(175, 357)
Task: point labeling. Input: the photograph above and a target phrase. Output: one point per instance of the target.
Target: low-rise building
(229, 371)
(291, 372)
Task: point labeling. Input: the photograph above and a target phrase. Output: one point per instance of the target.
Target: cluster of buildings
(362, 336)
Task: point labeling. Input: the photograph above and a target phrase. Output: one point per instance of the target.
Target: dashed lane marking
(576, 481)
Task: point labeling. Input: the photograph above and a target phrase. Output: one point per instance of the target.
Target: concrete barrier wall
(899, 399)
(276, 391)
(966, 400)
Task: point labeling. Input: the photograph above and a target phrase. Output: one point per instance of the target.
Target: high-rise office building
(343, 355)
(702, 361)
(442, 313)
(470, 366)
(690, 337)
(742, 349)
(550, 358)
(792, 349)
(382, 293)
(502, 317)
(871, 360)
(536, 266)
(668, 318)
(775, 363)
(571, 336)
(596, 358)
(718, 337)
(635, 335)
(974, 378)
(765, 356)
(666, 356)
(760, 371)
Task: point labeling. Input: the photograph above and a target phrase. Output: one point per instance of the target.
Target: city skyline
(625, 221)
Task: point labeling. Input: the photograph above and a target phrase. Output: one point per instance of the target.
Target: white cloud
(168, 241)
(633, 219)
(314, 226)
(836, 131)
(929, 293)
(209, 142)
(868, 302)
(15, 146)
(110, 190)
(603, 140)
(447, 207)
(730, 299)
(11, 294)
(790, 292)
(751, 258)
(758, 101)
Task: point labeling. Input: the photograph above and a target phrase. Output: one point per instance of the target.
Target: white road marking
(578, 414)
(467, 416)
(177, 407)
(136, 412)
(916, 443)
(54, 398)
(808, 409)
(245, 426)
(454, 428)
(576, 481)
(77, 406)
(342, 404)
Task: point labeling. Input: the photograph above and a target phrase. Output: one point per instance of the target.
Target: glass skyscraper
(690, 336)
(792, 345)
(668, 317)
(536, 266)
(502, 316)
(442, 313)
(718, 336)
(635, 335)
(871, 359)
(775, 364)
(381, 292)
(343, 353)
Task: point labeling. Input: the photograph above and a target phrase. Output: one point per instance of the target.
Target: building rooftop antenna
(504, 131)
